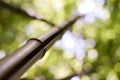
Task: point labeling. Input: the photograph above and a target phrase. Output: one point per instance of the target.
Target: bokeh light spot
(2, 54)
(112, 75)
(92, 54)
(86, 7)
(75, 78)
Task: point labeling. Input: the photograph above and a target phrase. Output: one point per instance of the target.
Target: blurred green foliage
(16, 28)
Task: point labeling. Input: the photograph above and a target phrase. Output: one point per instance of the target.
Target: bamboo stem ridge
(13, 66)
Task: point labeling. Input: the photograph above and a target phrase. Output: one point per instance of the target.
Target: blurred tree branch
(20, 11)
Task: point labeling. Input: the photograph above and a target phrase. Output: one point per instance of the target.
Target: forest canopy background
(90, 52)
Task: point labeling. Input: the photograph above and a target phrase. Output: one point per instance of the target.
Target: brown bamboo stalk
(13, 66)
